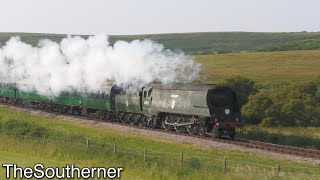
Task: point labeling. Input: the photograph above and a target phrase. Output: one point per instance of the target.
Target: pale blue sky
(158, 16)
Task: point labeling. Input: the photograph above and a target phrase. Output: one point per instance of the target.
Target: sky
(114, 17)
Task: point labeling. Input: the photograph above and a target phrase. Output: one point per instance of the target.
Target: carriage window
(145, 93)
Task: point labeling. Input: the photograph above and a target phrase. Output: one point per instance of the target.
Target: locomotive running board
(180, 124)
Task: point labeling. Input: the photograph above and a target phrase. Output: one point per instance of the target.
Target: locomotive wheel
(202, 131)
(151, 121)
(165, 126)
(84, 111)
(154, 122)
(127, 118)
(193, 129)
(178, 128)
(121, 118)
(142, 121)
(132, 120)
(217, 133)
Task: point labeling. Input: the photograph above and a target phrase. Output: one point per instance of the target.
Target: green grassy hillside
(27, 139)
(222, 42)
(197, 43)
(263, 67)
(31, 38)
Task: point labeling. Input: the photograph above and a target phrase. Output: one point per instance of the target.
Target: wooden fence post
(225, 165)
(278, 169)
(144, 155)
(114, 149)
(87, 143)
(181, 159)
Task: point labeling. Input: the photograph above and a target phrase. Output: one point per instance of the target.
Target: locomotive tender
(196, 109)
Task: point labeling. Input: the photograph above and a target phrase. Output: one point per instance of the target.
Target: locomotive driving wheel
(178, 128)
(164, 125)
(202, 130)
(217, 132)
(134, 119)
(142, 121)
(193, 129)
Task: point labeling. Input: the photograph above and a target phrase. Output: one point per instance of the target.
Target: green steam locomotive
(196, 109)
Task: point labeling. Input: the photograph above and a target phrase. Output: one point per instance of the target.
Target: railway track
(277, 148)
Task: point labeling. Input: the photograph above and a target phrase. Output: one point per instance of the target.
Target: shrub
(294, 105)
(21, 128)
(244, 87)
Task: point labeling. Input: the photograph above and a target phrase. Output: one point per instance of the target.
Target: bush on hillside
(254, 111)
(21, 128)
(244, 87)
(295, 105)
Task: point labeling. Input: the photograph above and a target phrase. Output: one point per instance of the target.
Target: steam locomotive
(196, 109)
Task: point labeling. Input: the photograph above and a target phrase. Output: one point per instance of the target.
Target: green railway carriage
(93, 100)
(85, 102)
(89, 102)
(7, 90)
(67, 98)
(26, 91)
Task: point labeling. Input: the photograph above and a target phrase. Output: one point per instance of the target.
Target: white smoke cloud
(85, 64)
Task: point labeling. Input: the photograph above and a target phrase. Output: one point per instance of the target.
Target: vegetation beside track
(306, 137)
(28, 139)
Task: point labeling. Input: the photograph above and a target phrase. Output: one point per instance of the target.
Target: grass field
(263, 67)
(163, 157)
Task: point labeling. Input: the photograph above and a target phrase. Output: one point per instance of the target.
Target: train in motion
(196, 109)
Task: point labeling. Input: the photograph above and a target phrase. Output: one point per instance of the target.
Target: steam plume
(85, 64)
